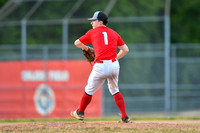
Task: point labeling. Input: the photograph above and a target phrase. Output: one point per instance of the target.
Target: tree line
(184, 21)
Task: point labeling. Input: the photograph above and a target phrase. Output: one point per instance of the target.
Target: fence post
(65, 38)
(167, 57)
(45, 54)
(174, 80)
(23, 39)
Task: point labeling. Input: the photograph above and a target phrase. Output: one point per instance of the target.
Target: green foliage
(2, 2)
(185, 21)
(53, 10)
(44, 34)
(77, 30)
(145, 32)
(10, 35)
(191, 70)
(137, 8)
(87, 9)
(131, 32)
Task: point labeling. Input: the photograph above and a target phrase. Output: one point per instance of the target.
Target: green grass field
(98, 119)
(102, 125)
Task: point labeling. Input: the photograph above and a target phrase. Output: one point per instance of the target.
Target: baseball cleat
(77, 115)
(125, 120)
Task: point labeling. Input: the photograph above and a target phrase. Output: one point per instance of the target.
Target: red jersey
(104, 41)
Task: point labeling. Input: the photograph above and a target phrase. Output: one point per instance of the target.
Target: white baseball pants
(107, 70)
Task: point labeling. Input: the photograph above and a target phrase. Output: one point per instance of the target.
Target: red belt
(101, 61)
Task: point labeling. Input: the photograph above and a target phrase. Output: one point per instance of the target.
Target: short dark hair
(103, 17)
(105, 22)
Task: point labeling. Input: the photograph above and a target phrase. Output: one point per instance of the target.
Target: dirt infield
(189, 124)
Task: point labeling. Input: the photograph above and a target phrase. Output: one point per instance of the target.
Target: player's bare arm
(123, 51)
(79, 44)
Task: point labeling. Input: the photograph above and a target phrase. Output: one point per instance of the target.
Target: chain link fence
(46, 30)
(141, 78)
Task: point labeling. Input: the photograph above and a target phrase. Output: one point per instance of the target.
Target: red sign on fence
(35, 89)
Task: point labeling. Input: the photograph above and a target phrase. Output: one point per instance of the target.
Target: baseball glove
(89, 55)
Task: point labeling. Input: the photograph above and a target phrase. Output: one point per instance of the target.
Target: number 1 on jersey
(105, 37)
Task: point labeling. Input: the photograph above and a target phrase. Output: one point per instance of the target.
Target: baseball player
(105, 42)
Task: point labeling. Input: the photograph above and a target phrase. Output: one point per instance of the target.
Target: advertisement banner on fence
(35, 89)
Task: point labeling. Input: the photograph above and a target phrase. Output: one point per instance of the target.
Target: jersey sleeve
(85, 39)
(120, 41)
